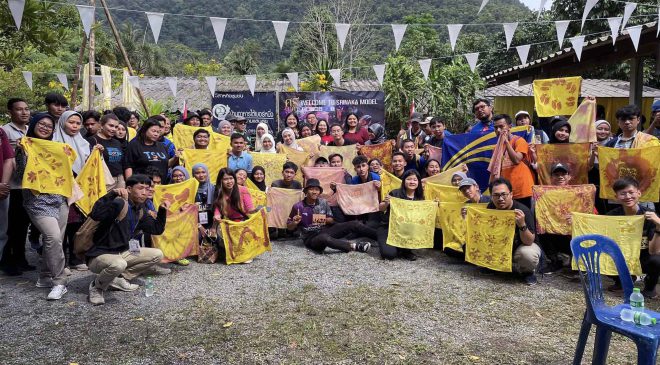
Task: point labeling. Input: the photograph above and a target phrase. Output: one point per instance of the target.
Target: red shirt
(234, 215)
(6, 152)
(361, 136)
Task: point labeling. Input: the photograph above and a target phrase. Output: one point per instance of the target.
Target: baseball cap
(467, 182)
(426, 120)
(559, 166)
(416, 117)
(522, 112)
(656, 106)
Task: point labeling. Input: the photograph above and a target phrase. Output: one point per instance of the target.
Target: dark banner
(260, 108)
(333, 106)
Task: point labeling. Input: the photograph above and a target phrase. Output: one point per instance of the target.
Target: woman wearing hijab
(268, 144)
(67, 131)
(561, 131)
(179, 174)
(603, 135)
(289, 139)
(258, 177)
(204, 197)
(224, 127)
(262, 129)
(48, 213)
(376, 134)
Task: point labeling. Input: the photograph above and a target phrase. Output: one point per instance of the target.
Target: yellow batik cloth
(443, 193)
(626, 231)
(453, 225)
(49, 164)
(181, 236)
(573, 155)
(220, 142)
(280, 201)
(91, 181)
(388, 182)
(412, 223)
(214, 161)
(444, 178)
(556, 96)
(642, 164)
(178, 195)
(310, 144)
(246, 240)
(132, 133)
(272, 163)
(258, 197)
(583, 123)
(358, 199)
(489, 241)
(300, 158)
(326, 176)
(554, 204)
(435, 153)
(381, 151)
(348, 152)
(182, 135)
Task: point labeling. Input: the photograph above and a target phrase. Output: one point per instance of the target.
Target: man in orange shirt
(515, 161)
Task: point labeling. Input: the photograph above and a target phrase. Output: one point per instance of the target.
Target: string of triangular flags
(219, 25)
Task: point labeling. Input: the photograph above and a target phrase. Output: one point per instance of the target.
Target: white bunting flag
(627, 12)
(172, 81)
(155, 22)
(219, 26)
(380, 73)
(61, 77)
(16, 8)
(86, 13)
(509, 31)
(210, 82)
(251, 82)
(342, 33)
(399, 30)
(561, 26)
(587, 8)
(541, 8)
(578, 43)
(98, 81)
(293, 77)
(523, 52)
(134, 81)
(453, 29)
(634, 33)
(280, 31)
(425, 65)
(615, 24)
(335, 73)
(27, 75)
(472, 60)
(483, 4)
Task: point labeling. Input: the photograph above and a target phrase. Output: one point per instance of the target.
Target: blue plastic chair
(607, 319)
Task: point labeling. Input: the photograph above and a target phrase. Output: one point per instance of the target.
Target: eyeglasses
(500, 196)
(626, 193)
(45, 126)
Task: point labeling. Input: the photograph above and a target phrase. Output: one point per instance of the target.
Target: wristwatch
(523, 228)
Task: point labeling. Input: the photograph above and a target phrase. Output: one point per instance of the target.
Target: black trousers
(651, 267)
(18, 222)
(552, 244)
(333, 236)
(67, 245)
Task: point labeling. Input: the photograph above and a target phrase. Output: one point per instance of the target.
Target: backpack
(84, 237)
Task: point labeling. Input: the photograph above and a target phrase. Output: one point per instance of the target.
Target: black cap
(312, 183)
(416, 117)
(559, 166)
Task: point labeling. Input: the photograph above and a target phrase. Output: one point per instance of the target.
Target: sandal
(183, 262)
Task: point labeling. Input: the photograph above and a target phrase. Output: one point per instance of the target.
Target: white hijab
(77, 142)
(261, 142)
(293, 144)
(257, 141)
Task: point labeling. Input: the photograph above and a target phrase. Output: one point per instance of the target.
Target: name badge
(203, 217)
(318, 219)
(134, 246)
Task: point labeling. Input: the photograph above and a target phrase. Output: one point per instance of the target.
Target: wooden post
(76, 76)
(636, 81)
(127, 62)
(90, 80)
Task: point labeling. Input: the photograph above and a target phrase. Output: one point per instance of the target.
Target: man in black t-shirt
(526, 253)
(337, 132)
(113, 150)
(289, 170)
(628, 194)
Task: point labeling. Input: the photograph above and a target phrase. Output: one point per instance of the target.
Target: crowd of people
(140, 155)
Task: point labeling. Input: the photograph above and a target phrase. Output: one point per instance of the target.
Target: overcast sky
(534, 4)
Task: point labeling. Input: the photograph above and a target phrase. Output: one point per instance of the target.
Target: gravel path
(293, 306)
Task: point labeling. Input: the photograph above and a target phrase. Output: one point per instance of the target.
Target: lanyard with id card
(133, 244)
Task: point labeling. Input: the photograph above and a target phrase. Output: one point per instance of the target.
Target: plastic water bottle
(637, 300)
(642, 318)
(149, 287)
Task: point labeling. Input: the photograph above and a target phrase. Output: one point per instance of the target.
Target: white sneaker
(67, 271)
(120, 283)
(57, 292)
(44, 283)
(80, 267)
